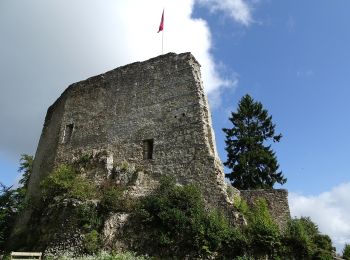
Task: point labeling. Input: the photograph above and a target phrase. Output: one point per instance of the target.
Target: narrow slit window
(148, 149)
(68, 131)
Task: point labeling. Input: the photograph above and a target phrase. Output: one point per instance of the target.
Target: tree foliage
(174, 221)
(178, 224)
(303, 240)
(252, 162)
(8, 206)
(346, 252)
(65, 182)
(175, 224)
(12, 201)
(26, 168)
(263, 233)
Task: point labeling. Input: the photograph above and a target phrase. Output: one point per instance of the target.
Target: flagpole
(163, 31)
(161, 28)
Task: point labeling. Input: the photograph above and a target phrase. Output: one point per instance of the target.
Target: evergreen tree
(12, 200)
(252, 162)
(26, 168)
(8, 206)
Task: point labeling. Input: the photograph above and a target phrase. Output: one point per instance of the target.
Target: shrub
(88, 217)
(8, 213)
(241, 205)
(65, 181)
(58, 182)
(235, 244)
(174, 217)
(82, 189)
(92, 242)
(84, 159)
(217, 229)
(296, 240)
(180, 226)
(14, 201)
(262, 231)
(323, 247)
(303, 240)
(346, 252)
(112, 199)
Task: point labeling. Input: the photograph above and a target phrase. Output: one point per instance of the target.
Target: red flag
(161, 26)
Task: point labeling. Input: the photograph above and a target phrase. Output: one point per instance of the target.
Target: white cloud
(329, 210)
(239, 10)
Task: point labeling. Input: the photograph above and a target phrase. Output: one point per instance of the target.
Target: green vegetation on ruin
(173, 221)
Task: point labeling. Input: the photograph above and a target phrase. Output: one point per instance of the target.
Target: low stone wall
(277, 200)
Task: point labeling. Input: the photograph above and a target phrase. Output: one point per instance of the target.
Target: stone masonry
(153, 114)
(277, 201)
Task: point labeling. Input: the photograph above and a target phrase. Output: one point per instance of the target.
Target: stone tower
(153, 114)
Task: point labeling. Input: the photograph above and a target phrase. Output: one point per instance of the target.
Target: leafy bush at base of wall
(72, 201)
(92, 242)
(262, 232)
(177, 224)
(113, 199)
(346, 252)
(65, 181)
(303, 240)
(173, 222)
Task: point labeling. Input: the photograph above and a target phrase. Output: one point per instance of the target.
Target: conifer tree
(252, 162)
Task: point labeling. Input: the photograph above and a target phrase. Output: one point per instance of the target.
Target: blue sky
(295, 59)
(293, 56)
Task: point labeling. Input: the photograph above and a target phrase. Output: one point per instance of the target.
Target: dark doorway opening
(148, 149)
(68, 131)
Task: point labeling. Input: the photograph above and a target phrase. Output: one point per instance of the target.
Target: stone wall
(277, 200)
(161, 101)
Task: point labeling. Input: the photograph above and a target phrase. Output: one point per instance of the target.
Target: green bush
(303, 240)
(296, 240)
(65, 181)
(112, 199)
(217, 229)
(263, 233)
(8, 213)
(346, 252)
(241, 205)
(88, 217)
(174, 217)
(83, 189)
(84, 159)
(323, 249)
(235, 244)
(92, 242)
(14, 201)
(174, 221)
(179, 225)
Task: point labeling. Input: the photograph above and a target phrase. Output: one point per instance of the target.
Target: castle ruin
(153, 115)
